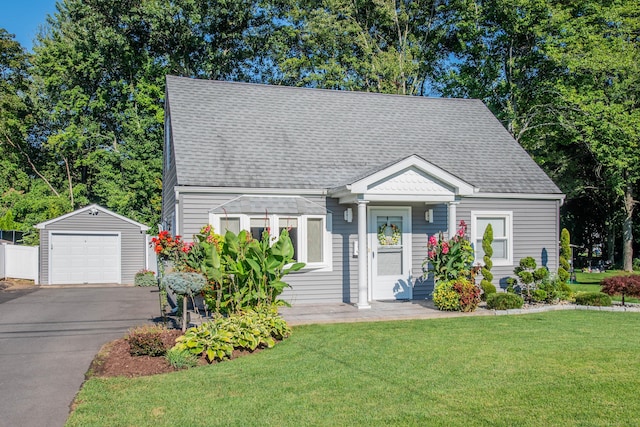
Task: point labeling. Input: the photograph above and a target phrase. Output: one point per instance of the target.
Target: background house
(360, 179)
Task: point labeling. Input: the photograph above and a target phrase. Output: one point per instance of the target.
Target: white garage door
(84, 258)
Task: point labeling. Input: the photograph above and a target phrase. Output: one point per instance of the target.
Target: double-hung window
(502, 226)
(310, 234)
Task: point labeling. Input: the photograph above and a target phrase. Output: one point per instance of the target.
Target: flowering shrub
(169, 248)
(445, 297)
(450, 259)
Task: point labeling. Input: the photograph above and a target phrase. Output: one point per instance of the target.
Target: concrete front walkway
(304, 314)
(48, 339)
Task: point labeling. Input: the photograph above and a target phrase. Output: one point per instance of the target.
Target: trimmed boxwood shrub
(504, 301)
(593, 298)
(487, 289)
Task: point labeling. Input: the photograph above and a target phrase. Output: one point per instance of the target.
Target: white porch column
(453, 221)
(363, 255)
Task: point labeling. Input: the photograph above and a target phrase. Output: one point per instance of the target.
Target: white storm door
(390, 243)
(84, 258)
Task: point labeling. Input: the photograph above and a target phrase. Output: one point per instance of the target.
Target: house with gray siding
(361, 180)
(92, 245)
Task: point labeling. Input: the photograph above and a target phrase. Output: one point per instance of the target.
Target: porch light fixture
(428, 216)
(348, 215)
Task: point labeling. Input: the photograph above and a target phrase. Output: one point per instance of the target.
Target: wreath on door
(385, 238)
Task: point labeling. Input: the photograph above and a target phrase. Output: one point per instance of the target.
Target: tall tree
(596, 44)
(101, 66)
(27, 191)
(385, 46)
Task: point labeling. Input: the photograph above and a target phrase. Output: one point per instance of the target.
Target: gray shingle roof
(229, 134)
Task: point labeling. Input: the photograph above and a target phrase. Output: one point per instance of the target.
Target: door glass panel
(389, 229)
(389, 261)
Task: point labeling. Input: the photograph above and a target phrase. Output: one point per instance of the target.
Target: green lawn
(569, 368)
(590, 282)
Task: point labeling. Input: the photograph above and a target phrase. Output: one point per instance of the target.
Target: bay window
(309, 234)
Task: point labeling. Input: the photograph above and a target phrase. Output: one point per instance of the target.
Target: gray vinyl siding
(423, 286)
(536, 230)
(338, 285)
(535, 224)
(169, 181)
(132, 241)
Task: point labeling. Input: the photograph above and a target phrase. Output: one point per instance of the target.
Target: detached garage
(91, 245)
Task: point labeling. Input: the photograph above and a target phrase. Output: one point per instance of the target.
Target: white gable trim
(98, 208)
(438, 184)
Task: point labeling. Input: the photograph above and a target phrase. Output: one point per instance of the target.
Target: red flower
(445, 248)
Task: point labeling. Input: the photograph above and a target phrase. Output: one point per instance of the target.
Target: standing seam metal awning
(266, 205)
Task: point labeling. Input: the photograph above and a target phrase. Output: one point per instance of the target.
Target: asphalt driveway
(48, 339)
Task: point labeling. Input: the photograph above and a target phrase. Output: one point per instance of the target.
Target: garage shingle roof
(228, 134)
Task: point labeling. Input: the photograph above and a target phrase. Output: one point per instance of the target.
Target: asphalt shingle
(229, 134)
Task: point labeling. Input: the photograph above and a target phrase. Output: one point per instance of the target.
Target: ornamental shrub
(565, 255)
(624, 285)
(184, 283)
(487, 289)
(146, 341)
(487, 240)
(258, 327)
(445, 297)
(145, 278)
(598, 299)
(468, 294)
(504, 301)
(538, 295)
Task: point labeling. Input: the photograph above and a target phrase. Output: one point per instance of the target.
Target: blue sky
(23, 17)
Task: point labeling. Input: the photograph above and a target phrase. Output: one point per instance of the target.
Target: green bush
(538, 295)
(445, 297)
(565, 255)
(181, 358)
(593, 298)
(487, 288)
(259, 327)
(504, 301)
(145, 278)
(146, 341)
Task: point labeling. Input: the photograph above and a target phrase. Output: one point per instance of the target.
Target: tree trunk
(611, 242)
(627, 229)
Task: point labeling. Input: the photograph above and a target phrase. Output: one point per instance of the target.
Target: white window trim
(273, 222)
(508, 216)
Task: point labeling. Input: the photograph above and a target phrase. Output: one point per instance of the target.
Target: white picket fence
(19, 262)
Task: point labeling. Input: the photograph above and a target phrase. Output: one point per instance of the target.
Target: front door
(390, 243)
